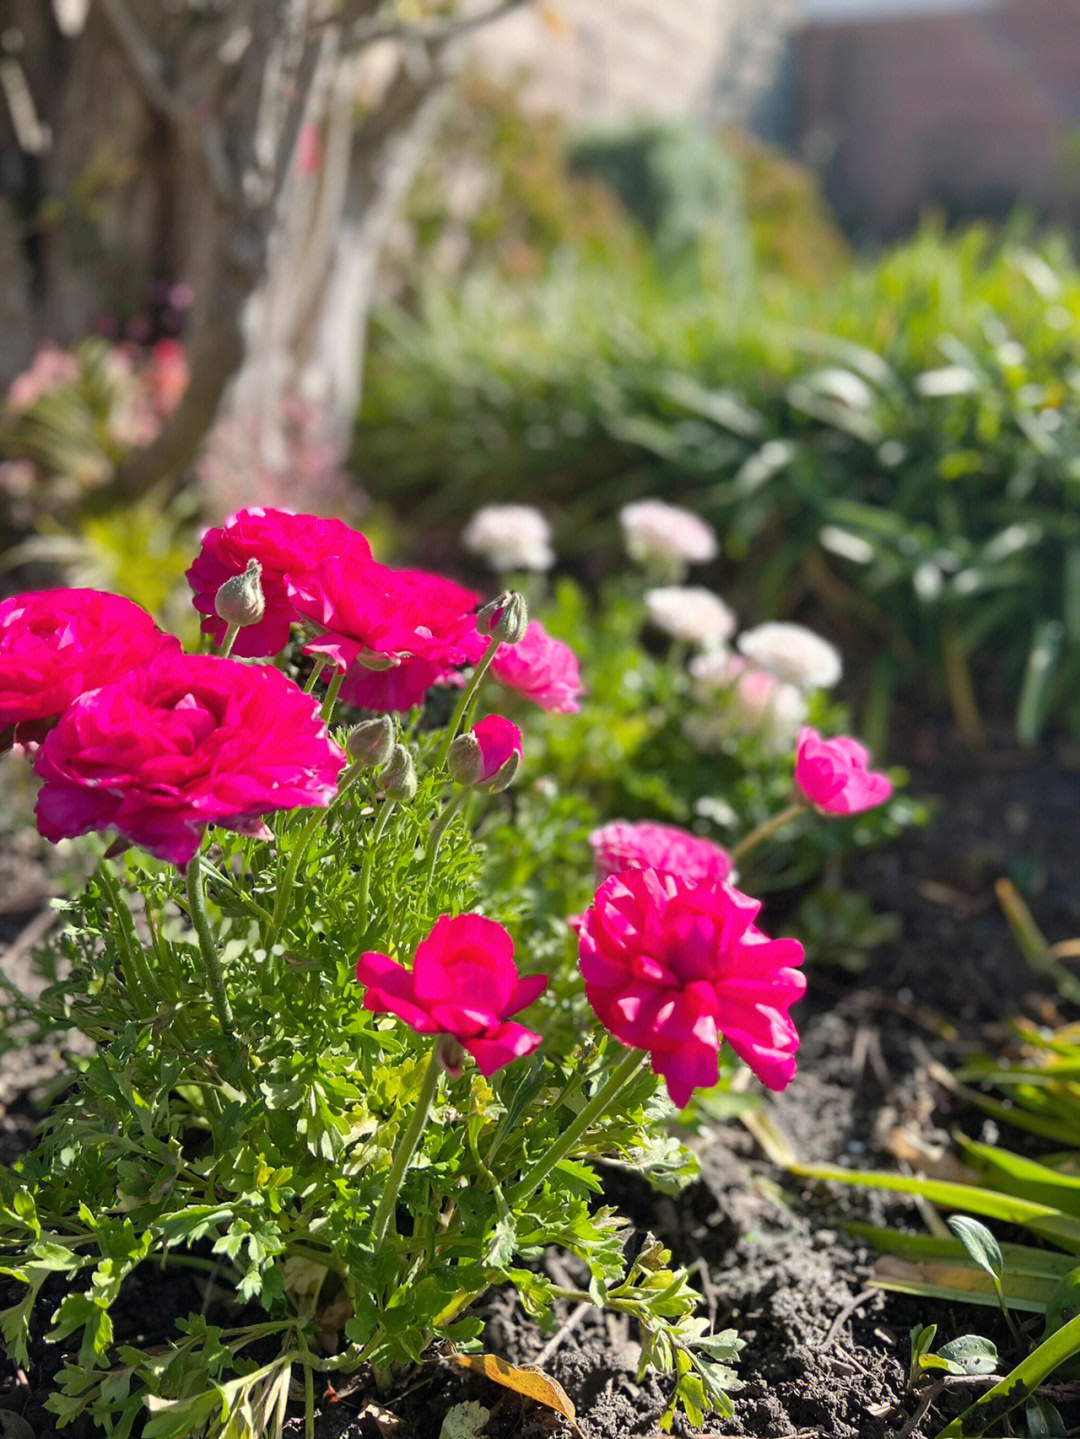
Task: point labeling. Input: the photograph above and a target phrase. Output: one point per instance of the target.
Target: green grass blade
(1017, 1386)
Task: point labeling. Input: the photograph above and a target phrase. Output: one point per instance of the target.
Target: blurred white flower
(690, 613)
(666, 536)
(742, 700)
(510, 537)
(793, 653)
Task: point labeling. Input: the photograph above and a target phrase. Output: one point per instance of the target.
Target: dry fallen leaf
(532, 1383)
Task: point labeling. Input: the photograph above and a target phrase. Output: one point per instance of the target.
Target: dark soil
(825, 1353)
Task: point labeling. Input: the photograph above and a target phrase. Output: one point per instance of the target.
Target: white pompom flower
(510, 537)
(662, 536)
(792, 653)
(690, 613)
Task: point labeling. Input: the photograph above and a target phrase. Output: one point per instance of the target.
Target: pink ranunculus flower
(623, 844)
(463, 983)
(287, 546)
(488, 755)
(395, 633)
(186, 741)
(56, 644)
(543, 669)
(835, 776)
(675, 968)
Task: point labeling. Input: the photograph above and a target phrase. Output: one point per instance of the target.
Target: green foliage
(900, 444)
(264, 1153)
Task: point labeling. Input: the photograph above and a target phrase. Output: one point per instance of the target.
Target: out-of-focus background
(805, 266)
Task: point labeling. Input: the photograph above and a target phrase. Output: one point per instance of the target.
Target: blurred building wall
(969, 112)
(609, 60)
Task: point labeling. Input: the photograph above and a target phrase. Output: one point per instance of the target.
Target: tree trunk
(148, 145)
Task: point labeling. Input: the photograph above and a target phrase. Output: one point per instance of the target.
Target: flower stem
(229, 640)
(296, 856)
(316, 670)
(331, 696)
(137, 976)
(464, 704)
(623, 1073)
(441, 824)
(405, 1150)
(369, 856)
(207, 949)
(763, 831)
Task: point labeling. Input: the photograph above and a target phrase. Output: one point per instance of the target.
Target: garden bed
(825, 1353)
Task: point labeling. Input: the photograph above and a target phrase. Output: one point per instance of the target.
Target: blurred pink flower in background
(834, 774)
(623, 844)
(463, 983)
(510, 537)
(183, 742)
(742, 700)
(676, 968)
(792, 653)
(666, 537)
(690, 613)
(543, 669)
(50, 369)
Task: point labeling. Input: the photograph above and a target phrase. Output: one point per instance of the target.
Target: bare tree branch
(366, 32)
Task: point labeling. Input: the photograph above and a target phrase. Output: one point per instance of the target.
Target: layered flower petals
(543, 669)
(463, 983)
(181, 743)
(624, 844)
(57, 644)
(675, 967)
(835, 774)
(287, 547)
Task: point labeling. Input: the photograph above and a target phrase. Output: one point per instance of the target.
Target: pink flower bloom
(666, 535)
(166, 377)
(674, 968)
(183, 742)
(510, 537)
(464, 983)
(50, 369)
(544, 670)
(55, 644)
(664, 847)
(834, 774)
(394, 632)
(489, 752)
(287, 546)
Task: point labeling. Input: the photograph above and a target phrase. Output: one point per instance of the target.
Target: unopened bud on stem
(371, 743)
(239, 601)
(505, 618)
(398, 779)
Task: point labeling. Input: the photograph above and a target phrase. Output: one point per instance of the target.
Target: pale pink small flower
(792, 653)
(623, 844)
(835, 776)
(676, 968)
(51, 369)
(667, 537)
(463, 983)
(742, 700)
(510, 537)
(690, 613)
(543, 669)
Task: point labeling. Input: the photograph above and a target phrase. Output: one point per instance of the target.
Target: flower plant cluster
(325, 1068)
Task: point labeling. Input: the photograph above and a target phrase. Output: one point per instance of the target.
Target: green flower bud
(505, 618)
(240, 601)
(371, 743)
(398, 779)
(464, 759)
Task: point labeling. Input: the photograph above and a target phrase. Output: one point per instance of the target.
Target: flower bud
(505, 618)
(504, 777)
(464, 760)
(240, 600)
(371, 743)
(398, 779)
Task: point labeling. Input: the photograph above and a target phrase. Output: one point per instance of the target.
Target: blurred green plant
(899, 445)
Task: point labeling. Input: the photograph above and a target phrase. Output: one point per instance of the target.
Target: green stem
(369, 856)
(230, 639)
(405, 1150)
(464, 704)
(320, 664)
(296, 856)
(207, 949)
(435, 838)
(763, 831)
(622, 1075)
(331, 696)
(137, 976)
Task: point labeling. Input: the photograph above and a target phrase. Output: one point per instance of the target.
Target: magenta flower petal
(183, 742)
(624, 845)
(834, 774)
(675, 967)
(543, 669)
(463, 983)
